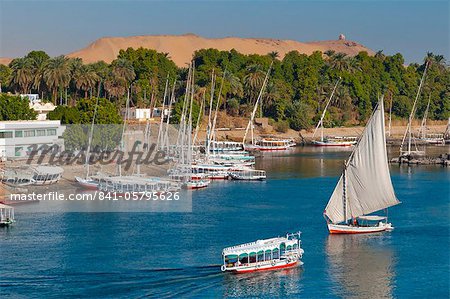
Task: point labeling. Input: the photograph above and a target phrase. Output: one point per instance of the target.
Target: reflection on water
(311, 161)
(361, 266)
(283, 283)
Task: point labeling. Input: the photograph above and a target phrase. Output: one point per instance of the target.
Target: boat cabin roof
(267, 244)
(372, 218)
(6, 207)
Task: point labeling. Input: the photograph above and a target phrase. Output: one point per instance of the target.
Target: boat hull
(269, 267)
(86, 184)
(334, 144)
(348, 229)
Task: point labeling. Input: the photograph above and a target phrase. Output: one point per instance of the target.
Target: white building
(36, 104)
(143, 114)
(42, 109)
(18, 138)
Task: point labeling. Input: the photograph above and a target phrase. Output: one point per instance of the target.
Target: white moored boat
(247, 174)
(330, 140)
(336, 141)
(365, 185)
(196, 184)
(6, 215)
(263, 255)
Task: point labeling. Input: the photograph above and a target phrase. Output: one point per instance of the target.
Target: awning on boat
(372, 218)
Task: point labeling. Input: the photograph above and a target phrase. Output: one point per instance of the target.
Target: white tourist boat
(196, 184)
(365, 185)
(263, 255)
(31, 175)
(6, 215)
(336, 141)
(331, 141)
(225, 146)
(135, 184)
(47, 175)
(270, 144)
(247, 174)
(213, 172)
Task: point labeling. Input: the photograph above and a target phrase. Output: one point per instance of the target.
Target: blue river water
(164, 255)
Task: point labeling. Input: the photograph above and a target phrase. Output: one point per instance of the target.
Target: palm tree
(85, 78)
(274, 55)
(329, 53)
(339, 62)
(123, 70)
(22, 73)
(253, 80)
(38, 66)
(57, 74)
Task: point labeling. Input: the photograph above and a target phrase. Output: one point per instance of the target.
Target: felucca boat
(365, 185)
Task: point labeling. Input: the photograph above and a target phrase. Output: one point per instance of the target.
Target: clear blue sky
(59, 27)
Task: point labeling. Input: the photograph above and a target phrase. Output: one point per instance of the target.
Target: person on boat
(355, 222)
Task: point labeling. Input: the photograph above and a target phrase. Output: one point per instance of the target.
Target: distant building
(37, 105)
(32, 97)
(42, 109)
(17, 138)
(142, 114)
(341, 37)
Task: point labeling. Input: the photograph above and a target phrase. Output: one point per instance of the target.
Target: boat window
(275, 253)
(289, 247)
(18, 133)
(260, 255)
(267, 255)
(243, 258)
(295, 246)
(252, 257)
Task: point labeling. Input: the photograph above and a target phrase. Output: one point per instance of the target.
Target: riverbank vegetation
(297, 90)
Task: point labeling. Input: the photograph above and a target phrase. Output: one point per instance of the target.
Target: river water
(162, 255)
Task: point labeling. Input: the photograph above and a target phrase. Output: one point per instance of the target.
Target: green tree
(57, 74)
(15, 108)
(22, 74)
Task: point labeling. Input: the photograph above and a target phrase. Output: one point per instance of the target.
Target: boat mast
(390, 116)
(122, 142)
(344, 190)
(197, 127)
(91, 134)
(320, 124)
(213, 135)
(208, 131)
(423, 125)
(161, 121)
(411, 116)
(250, 123)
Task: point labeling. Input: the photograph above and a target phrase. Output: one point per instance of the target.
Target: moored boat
(263, 255)
(89, 183)
(247, 174)
(336, 141)
(6, 215)
(196, 184)
(270, 144)
(365, 185)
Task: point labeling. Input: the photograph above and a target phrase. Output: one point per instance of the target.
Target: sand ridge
(181, 47)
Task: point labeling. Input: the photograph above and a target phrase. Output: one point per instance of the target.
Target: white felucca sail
(368, 187)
